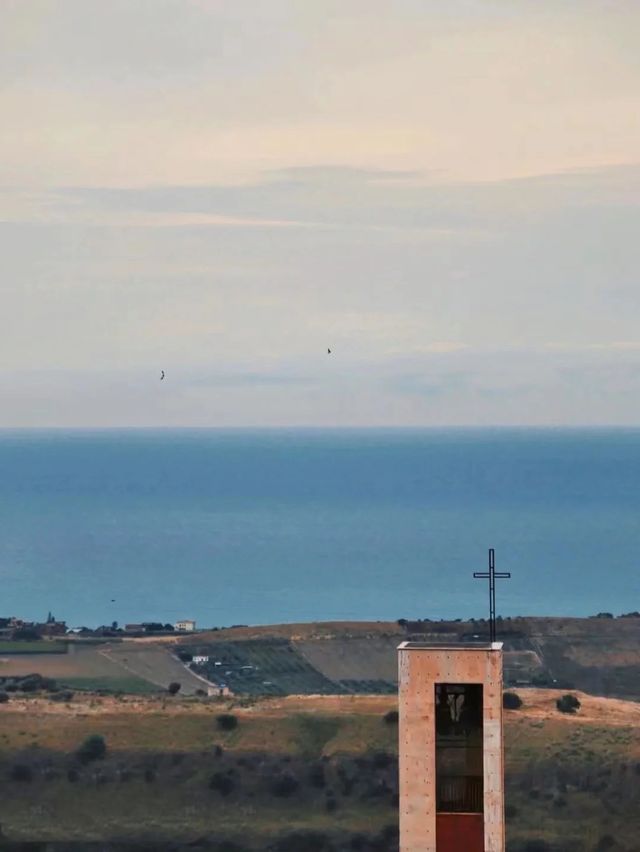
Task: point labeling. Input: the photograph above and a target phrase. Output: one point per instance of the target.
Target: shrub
(218, 751)
(303, 841)
(536, 846)
(511, 701)
(4, 697)
(568, 703)
(93, 748)
(391, 718)
(201, 693)
(316, 776)
(22, 773)
(331, 804)
(174, 688)
(224, 784)
(63, 695)
(606, 842)
(227, 721)
(284, 785)
(72, 775)
(381, 760)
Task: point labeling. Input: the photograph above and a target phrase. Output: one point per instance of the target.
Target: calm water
(257, 526)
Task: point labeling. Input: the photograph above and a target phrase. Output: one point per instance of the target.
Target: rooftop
(450, 646)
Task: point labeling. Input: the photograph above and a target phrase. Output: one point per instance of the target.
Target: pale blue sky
(445, 194)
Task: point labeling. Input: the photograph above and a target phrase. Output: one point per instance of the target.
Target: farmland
(600, 656)
(83, 666)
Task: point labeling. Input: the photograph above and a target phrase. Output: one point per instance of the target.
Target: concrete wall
(420, 667)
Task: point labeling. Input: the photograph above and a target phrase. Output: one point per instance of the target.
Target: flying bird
(328, 352)
(161, 375)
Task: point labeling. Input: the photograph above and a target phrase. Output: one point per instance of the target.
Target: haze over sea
(251, 526)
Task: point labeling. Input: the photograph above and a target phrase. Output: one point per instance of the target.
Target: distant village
(17, 629)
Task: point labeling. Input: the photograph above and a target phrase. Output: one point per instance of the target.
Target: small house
(186, 626)
(199, 659)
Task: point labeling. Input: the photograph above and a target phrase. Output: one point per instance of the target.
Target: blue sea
(251, 527)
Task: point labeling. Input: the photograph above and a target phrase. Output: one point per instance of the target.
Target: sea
(268, 526)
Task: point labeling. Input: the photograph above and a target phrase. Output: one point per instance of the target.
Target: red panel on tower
(460, 833)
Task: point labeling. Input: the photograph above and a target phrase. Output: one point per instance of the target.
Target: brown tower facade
(451, 748)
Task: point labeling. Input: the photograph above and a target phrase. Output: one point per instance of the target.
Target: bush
(316, 776)
(224, 784)
(381, 760)
(391, 718)
(63, 695)
(174, 688)
(568, 703)
(93, 748)
(605, 843)
(227, 721)
(536, 846)
(331, 805)
(21, 773)
(4, 697)
(72, 775)
(511, 701)
(303, 841)
(285, 785)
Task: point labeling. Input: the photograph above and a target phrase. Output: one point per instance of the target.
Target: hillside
(600, 656)
(298, 763)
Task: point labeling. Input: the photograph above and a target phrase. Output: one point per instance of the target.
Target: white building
(186, 626)
(200, 659)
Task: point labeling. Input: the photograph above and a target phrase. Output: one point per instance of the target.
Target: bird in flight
(161, 375)
(328, 352)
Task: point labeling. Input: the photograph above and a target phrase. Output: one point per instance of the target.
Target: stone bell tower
(451, 748)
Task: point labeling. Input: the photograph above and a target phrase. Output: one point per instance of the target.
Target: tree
(284, 785)
(568, 703)
(221, 782)
(511, 701)
(391, 718)
(21, 772)
(26, 634)
(93, 748)
(227, 721)
(4, 697)
(174, 688)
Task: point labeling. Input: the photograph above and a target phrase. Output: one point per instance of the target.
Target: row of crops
(273, 667)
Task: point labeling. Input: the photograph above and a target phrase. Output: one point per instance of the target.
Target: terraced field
(264, 667)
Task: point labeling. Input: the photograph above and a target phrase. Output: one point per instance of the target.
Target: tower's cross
(492, 576)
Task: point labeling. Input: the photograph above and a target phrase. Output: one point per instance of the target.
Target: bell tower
(451, 756)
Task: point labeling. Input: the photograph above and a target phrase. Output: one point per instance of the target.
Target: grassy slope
(569, 777)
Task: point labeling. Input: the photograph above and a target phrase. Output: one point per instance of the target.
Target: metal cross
(492, 576)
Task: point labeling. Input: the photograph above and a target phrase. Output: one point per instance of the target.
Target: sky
(444, 194)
